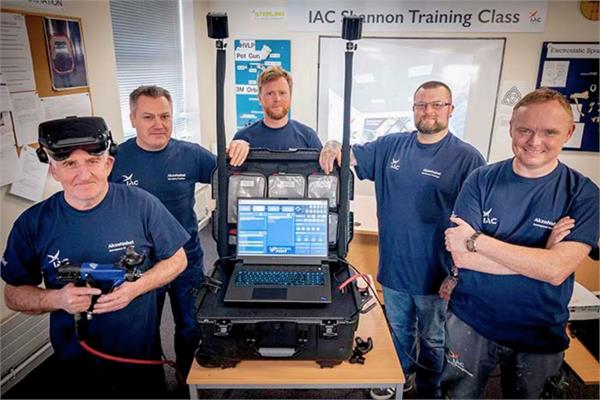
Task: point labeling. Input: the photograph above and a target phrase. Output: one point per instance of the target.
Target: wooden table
(582, 362)
(381, 368)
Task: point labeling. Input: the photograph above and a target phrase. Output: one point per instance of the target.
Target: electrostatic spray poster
(572, 69)
(251, 58)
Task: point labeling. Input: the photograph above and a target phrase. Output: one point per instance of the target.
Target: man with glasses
(417, 177)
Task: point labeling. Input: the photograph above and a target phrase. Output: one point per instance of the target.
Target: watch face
(589, 9)
(470, 244)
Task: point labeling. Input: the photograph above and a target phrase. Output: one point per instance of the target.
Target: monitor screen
(282, 228)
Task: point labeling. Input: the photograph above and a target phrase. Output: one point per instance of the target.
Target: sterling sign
(430, 16)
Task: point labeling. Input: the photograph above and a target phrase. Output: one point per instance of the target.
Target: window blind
(148, 50)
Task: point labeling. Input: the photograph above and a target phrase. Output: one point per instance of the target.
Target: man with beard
(276, 131)
(417, 177)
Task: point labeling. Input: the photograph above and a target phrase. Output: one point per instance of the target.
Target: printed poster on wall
(572, 69)
(252, 56)
(66, 55)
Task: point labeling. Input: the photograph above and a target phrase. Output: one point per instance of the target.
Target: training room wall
(102, 79)
(564, 23)
(521, 61)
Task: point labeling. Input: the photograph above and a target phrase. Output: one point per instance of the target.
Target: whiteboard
(386, 72)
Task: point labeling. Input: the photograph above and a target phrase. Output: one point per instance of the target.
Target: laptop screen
(282, 230)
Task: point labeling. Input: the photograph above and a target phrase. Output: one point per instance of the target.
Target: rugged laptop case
(242, 331)
(231, 333)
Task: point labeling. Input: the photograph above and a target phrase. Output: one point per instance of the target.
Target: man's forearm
(480, 263)
(552, 265)
(162, 272)
(31, 299)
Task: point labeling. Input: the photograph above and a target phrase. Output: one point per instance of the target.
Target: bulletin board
(44, 77)
(572, 69)
(39, 53)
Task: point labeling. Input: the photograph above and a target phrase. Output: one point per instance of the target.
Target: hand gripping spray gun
(105, 277)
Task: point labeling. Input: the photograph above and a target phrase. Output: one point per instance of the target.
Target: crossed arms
(552, 265)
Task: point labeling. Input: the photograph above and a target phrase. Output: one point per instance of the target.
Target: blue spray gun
(105, 277)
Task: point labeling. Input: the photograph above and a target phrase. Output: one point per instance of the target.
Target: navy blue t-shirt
(416, 185)
(513, 310)
(171, 175)
(293, 135)
(52, 231)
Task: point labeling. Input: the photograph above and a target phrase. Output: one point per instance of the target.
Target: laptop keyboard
(246, 277)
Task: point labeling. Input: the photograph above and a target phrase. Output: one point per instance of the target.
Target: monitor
(284, 231)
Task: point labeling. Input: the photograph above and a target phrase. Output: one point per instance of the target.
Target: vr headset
(60, 137)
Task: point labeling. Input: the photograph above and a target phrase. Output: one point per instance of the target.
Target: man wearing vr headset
(169, 169)
(93, 221)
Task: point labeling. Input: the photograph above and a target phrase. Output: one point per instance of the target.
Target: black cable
(387, 321)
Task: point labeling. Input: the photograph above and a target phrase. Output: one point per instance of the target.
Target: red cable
(109, 357)
(352, 278)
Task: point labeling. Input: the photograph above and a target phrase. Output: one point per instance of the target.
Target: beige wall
(520, 63)
(97, 35)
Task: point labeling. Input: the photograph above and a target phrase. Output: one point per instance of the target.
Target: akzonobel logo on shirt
(176, 177)
(543, 223)
(120, 245)
(432, 173)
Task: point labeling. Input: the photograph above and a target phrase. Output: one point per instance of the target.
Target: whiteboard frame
(478, 128)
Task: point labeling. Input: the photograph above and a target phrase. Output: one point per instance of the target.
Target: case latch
(329, 329)
(222, 328)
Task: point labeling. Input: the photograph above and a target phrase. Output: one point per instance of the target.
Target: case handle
(280, 352)
(277, 352)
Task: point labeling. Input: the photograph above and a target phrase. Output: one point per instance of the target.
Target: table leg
(399, 391)
(193, 392)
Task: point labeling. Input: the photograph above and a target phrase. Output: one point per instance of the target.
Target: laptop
(282, 251)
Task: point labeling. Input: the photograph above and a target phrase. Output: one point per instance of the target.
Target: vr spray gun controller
(105, 277)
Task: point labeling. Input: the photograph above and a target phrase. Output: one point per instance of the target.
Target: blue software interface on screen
(271, 227)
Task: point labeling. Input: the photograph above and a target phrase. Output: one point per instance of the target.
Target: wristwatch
(470, 243)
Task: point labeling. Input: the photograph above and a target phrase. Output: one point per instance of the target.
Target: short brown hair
(149, 91)
(434, 85)
(272, 73)
(543, 95)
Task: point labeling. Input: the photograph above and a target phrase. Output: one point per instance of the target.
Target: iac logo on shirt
(543, 223)
(55, 260)
(488, 219)
(129, 181)
(176, 177)
(395, 164)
